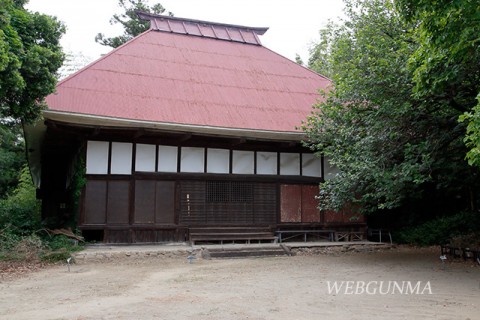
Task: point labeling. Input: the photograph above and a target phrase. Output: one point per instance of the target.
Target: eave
(95, 120)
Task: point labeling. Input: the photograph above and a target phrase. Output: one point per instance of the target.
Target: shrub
(20, 222)
(59, 248)
(441, 230)
(20, 212)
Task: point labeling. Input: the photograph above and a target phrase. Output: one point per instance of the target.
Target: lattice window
(229, 191)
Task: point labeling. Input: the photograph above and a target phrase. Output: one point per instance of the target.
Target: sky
(294, 25)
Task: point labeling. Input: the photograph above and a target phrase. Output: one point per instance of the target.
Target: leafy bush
(8, 241)
(16, 247)
(20, 226)
(59, 248)
(20, 212)
(34, 247)
(441, 230)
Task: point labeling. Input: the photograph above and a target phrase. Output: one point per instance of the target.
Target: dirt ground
(168, 287)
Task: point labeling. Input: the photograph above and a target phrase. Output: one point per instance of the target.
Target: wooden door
(290, 203)
(154, 202)
(310, 211)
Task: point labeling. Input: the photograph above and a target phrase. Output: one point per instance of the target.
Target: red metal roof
(178, 78)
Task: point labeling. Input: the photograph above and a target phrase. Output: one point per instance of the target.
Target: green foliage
(30, 54)
(440, 230)
(59, 248)
(391, 146)
(446, 64)
(132, 24)
(14, 247)
(472, 139)
(77, 184)
(33, 247)
(12, 156)
(22, 236)
(320, 58)
(8, 240)
(20, 212)
(298, 59)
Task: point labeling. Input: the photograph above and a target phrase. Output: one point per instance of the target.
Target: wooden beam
(137, 134)
(185, 137)
(237, 142)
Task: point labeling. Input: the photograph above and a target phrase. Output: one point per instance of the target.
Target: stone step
(246, 253)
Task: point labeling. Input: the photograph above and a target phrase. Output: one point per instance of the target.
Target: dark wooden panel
(221, 202)
(165, 202)
(290, 203)
(144, 201)
(265, 203)
(192, 202)
(95, 202)
(310, 211)
(118, 236)
(141, 235)
(118, 202)
(167, 235)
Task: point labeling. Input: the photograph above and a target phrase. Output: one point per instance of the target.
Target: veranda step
(247, 253)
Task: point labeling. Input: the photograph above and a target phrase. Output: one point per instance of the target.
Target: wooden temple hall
(188, 132)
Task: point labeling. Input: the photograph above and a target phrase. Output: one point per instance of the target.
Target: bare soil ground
(168, 287)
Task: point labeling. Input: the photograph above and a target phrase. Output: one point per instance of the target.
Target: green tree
(132, 24)
(30, 54)
(472, 139)
(298, 59)
(12, 156)
(446, 64)
(320, 51)
(21, 210)
(392, 148)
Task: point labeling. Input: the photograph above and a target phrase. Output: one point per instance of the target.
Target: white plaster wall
(97, 157)
(243, 162)
(290, 164)
(121, 160)
(193, 159)
(311, 165)
(218, 161)
(266, 162)
(167, 158)
(145, 157)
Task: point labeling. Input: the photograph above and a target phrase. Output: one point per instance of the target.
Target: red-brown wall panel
(310, 212)
(290, 203)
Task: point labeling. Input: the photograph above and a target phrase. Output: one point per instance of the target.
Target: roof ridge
(200, 28)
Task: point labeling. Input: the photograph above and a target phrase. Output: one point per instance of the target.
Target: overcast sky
(294, 25)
